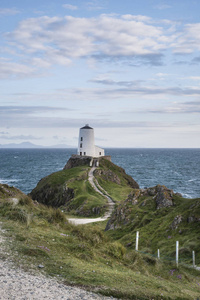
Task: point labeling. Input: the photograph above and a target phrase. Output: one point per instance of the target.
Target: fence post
(193, 258)
(177, 249)
(158, 253)
(137, 240)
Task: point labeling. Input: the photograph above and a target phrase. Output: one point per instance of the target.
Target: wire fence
(188, 261)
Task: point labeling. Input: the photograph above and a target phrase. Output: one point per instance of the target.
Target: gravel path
(99, 190)
(17, 284)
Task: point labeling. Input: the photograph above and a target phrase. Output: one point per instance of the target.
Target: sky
(130, 69)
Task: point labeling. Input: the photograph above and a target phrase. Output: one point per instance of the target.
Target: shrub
(116, 250)
(17, 214)
(26, 201)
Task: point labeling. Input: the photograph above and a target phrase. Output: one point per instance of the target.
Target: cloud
(132, 40)
(162, 6)
(31, 116)
(189, 40)
(108, 81)
(28, 110)
(94, 5)
(135, 87)
(69, 6)
(12, 69)
(8, 11)
(20, 137)
(60, 40)
(190, 107)
(24, 117)
(196, 60)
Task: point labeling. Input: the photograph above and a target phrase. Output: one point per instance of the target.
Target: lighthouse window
(84, 153)
(81, 139)
(99, 153)
(81, 145)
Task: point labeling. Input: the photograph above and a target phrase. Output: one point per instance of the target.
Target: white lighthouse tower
(86, 146)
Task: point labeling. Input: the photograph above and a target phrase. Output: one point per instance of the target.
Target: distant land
(29, 145)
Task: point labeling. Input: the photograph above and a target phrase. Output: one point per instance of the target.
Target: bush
(116, 250)
(17, 214)
(26, 201)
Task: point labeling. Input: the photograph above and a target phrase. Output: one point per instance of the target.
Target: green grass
(90, 257)
(70, 190)
(155, 227)
(118, 192)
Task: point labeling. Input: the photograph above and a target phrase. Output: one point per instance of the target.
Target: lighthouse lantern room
(86, 146)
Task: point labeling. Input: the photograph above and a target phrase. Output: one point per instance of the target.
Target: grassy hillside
(71, 190)
(114, 180)
(159, 228)
(87, 255)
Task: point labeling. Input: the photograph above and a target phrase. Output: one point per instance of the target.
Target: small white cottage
(86, 146)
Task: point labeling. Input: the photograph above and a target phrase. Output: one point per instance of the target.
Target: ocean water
(178, 169)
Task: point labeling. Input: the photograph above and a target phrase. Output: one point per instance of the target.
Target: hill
(71, 190)
(39, 239)
(162, 217)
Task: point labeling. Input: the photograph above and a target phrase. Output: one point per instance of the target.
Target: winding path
(101, 191)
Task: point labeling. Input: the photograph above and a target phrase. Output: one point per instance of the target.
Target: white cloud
(8, 11)
(14, 70)
(69, 6)
(94, 5)
(134, 40)
(162, 6)
(189, 40)
(59, 40)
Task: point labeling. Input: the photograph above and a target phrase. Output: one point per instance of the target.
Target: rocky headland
(71, 190)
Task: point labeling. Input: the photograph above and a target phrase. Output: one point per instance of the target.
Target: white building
(86, 146)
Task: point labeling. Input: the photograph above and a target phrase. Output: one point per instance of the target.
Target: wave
(8, 180)
(191, 180)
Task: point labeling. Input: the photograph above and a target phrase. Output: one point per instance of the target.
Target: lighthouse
(86, 145)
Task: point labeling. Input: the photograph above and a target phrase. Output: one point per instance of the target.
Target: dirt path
(101, 191)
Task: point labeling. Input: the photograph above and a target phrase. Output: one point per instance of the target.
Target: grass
(70, 190)
(156, 227)
(88, 256)
(117, 191)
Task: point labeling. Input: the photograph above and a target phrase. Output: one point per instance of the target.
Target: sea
(177, 169)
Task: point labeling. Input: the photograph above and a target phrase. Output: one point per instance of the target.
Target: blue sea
(178, 169)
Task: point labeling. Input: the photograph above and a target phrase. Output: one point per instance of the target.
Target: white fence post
(177, 249)
(158, 253)
(193, 258)
(137, 240)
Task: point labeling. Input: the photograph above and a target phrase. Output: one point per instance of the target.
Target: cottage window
(81, 139)
(84, 153)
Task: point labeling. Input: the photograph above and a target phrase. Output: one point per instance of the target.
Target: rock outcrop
(51, 195)
(77, 161)
(158, 196)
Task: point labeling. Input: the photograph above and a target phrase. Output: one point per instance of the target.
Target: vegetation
(70, 190)
(114, 180)
(88, 256)
(159, 228)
